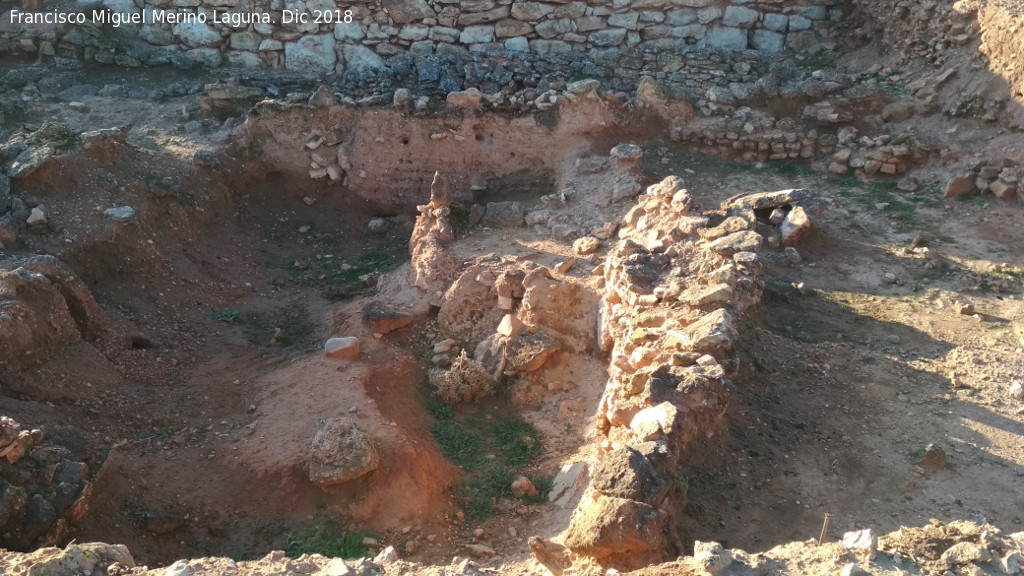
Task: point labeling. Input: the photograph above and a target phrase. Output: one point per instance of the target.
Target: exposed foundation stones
(44, 487)
(674, 288)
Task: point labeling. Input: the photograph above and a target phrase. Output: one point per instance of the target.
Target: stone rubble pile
(512, 317)
(957, 547)
(1002, 178)
(327, 158)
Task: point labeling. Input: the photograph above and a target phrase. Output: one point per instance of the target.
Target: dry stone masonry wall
(385, 37)
(673, 291)
(44, 486)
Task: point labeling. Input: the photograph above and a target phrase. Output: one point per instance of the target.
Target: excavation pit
(616, 355)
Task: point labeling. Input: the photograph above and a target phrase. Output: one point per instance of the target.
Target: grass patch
(460, 217)
(493, 452)
(457, 443)
(438, 409)
(1015, 275)
(789, 169)
(483, 490)
(333, 270)
(325, 536)
(875, 195)
(516, 440)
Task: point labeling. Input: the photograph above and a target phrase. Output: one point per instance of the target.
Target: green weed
(438, 409)
(460, 217)
(325, 536)
(457, 443)
(492, 454)
(516, 440)
(222, 315)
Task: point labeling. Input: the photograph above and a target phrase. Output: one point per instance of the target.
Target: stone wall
(371, 35)
(44, 486)
(674, 290)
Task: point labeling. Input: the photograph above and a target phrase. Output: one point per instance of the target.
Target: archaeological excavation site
(513, 287)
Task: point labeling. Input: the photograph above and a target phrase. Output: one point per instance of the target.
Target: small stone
(347, 347)
(340, 452)
(959, 186)
(586, 245)
(510, 326)
(1012, 563)
(444, 346)
(469, 98)
(963, 553)
(627, 152)
(403, 99)
(965, 307)
(37, 217)
(745, 241)
(860, 540)
(179, 568)
(386, 556)
(121, 213)
(796, 226)
(792, 256)
(889, 278)
(711, 557)
(335, 567)
(1016, 390)
(379, 225)
(777, 216)
(893, 339)
(382, 319)
(523, 487)
(565, 266)
(503, 214)
(934, 458)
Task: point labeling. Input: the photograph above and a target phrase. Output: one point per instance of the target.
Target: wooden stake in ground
(824, 529)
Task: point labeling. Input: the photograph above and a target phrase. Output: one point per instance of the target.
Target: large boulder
(382, 319)
(611, 527)
(340, 452)
(529, 352)
(627, 473)
(35, 316)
